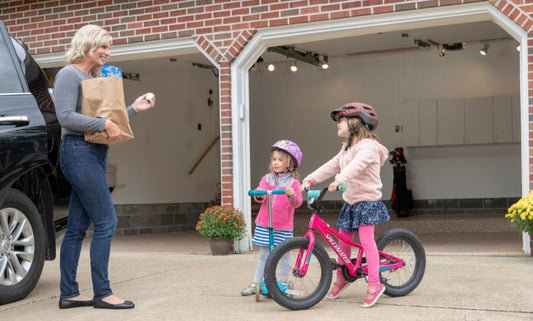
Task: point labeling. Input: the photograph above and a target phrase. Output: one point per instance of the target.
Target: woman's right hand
(112, 130)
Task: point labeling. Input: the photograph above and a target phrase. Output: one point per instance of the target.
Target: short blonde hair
(86, 39)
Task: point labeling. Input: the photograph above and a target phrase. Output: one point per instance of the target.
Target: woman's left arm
(141, 104)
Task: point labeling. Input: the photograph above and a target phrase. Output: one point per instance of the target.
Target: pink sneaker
(338, 287)
(373, 293)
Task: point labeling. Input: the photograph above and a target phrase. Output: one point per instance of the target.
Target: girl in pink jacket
(357, 165)
(285, 157)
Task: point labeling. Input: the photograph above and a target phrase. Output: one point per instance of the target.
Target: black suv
(30, 178)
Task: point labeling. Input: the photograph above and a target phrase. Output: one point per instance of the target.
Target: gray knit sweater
(67, 100)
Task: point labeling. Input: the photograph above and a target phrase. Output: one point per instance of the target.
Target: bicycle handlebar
(254, 192)
(314, 193)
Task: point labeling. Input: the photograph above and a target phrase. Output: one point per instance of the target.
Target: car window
(21, 53)
(9, 80)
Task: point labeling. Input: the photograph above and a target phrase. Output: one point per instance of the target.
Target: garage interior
(454, 111)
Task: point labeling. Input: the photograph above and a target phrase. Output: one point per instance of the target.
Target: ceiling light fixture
(442, 51)
(518, 48)
(309, 57)
(294, 68)
(443, 48)
(271, 67)
(323, 60)
(484, 50)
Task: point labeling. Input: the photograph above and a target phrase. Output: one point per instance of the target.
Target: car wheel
(22, 246)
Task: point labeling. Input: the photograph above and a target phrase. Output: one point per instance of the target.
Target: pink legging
(366, 237)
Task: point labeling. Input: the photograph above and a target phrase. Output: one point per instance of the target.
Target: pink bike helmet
(291, 148)
(363, 111)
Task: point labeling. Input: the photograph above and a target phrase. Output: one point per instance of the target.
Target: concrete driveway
(481, 276)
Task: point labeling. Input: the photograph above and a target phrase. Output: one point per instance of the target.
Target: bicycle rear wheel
(405, 245)
(298, 293)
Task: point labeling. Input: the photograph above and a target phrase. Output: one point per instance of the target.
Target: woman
(85, 167)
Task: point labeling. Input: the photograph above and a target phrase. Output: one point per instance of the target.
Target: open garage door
(436, 94)
(170, 171)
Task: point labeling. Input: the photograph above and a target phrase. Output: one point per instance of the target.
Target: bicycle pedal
(334, 264)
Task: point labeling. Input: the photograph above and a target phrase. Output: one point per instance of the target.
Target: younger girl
(357, 165)
(285, 157)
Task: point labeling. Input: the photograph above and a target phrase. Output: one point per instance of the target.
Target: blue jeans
(85, 167)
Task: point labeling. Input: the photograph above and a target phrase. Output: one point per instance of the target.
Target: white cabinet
(502, 111)
(428, 122)
(478, 120)
(410, 125)
(450, 121)
(484, 120)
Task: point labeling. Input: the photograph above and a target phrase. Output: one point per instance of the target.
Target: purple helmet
(291, 148)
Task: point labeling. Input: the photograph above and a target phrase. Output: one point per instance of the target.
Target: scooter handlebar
(255, 192)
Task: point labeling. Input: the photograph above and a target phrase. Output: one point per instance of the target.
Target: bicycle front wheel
(406, 246)
(282, 278)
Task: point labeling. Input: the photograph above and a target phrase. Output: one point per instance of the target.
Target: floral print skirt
(362, 213)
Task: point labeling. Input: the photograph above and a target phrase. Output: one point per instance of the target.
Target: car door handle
(14, 120)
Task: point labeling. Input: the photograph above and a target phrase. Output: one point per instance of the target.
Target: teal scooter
(260, 288)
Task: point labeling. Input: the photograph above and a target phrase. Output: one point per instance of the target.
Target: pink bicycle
(402, 262)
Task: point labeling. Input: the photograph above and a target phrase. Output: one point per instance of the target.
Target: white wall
(154, 167)
(297, 106)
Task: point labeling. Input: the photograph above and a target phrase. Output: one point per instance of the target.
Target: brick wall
(222, 28)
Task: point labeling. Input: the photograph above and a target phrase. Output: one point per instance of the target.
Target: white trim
(140, 50)
(521, 36)
(240, 125)
(481, 11)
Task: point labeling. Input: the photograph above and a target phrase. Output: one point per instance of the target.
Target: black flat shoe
(100, 304)
(67, 303)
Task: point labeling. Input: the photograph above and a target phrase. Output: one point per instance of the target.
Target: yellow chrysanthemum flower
(520, 214)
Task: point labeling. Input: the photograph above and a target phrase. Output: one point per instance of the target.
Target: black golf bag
(401, 197)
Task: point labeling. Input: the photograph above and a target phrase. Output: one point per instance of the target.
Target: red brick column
(218, 49)
(226, 144)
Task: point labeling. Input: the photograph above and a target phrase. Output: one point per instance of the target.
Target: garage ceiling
(474, 33)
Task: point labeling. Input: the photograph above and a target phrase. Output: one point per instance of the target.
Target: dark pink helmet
(363, 111)
(291, 148)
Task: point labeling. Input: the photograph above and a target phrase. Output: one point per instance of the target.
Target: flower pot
(220, 246)
(531, 244)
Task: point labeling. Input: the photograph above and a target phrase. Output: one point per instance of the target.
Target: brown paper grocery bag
(103, 97)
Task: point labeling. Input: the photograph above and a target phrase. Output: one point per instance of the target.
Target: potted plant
(520, 214)
(221, 224)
